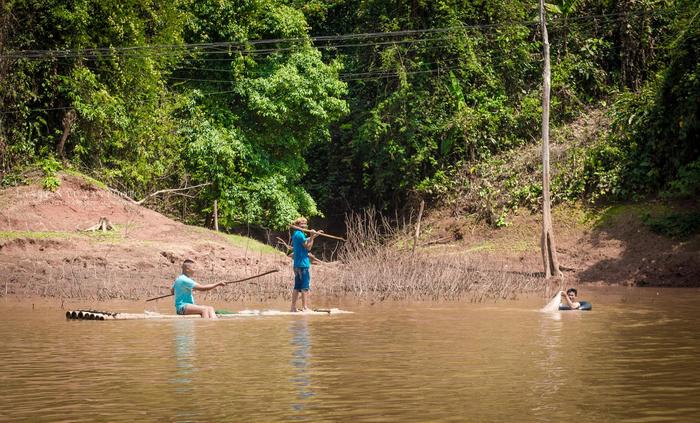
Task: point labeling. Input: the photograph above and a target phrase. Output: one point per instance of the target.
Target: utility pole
(216, 215)
(549, 250)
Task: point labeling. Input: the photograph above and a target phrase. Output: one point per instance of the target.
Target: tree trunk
(549, 251)
(68, 121)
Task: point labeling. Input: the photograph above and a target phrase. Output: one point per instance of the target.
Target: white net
(553, 305)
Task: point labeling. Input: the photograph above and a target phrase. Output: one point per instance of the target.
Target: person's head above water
(571, 293)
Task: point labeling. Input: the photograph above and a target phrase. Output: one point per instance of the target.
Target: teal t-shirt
(301, 254)
(183, 291)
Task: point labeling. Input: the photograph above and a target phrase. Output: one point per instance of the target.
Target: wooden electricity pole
(216, 215)
(549, 250)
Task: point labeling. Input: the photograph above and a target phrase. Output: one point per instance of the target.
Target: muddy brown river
(634, 358)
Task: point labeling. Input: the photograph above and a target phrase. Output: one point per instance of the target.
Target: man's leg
(305, 303)
(196, 309)
(212, 313)
(295, 296)
(305, 286)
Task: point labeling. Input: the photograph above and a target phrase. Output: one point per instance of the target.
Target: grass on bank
(90, 180)
(251, 244)
(243, 242)
(9, 235)
(111, 236)
(670, 220)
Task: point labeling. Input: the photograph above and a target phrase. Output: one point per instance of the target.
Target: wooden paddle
(311, 231)
(225, 283)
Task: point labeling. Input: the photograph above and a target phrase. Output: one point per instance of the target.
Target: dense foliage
(459, 101)
(280, 104)
(153, 117)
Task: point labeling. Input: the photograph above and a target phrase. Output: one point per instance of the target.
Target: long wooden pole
(225, 283)
(216, 216)
(310, 231)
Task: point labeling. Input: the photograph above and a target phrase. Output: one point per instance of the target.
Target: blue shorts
(302, 278)
(181, 310)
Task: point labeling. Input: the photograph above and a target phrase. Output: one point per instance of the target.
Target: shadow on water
(301, 360)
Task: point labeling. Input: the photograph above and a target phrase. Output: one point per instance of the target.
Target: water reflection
(301, 359)
(633, 361)
(552, 376)
(185, 340)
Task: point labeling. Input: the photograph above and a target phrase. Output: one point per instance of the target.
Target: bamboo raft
(106, 315)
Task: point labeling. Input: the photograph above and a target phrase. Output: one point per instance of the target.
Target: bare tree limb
(122, 195)
(163, 191)
(417, 233)
(153, 194)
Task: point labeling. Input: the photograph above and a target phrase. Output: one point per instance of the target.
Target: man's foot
(294, 310)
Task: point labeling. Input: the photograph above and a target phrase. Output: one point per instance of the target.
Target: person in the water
(568, 298)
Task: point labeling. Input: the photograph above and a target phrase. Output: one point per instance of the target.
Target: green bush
(674, 225)
(687, 183)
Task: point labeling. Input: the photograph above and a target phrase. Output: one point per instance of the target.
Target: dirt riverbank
(45, 251)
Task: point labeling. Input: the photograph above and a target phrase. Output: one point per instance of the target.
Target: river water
(634, 358)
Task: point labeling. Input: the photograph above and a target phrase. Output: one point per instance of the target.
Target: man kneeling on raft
(182, 289)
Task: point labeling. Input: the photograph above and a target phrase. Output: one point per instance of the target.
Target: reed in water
(376, 263)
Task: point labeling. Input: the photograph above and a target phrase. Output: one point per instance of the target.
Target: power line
(259, 52)
(175, 49)
(351, 77)
(7, 112)
(268, 51)
(343, 76)
(195, 46)
(411, 41)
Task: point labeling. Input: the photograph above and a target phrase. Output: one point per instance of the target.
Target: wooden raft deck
(106, 315)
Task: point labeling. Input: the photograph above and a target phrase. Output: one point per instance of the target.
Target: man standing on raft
(182, 289)
(301, 245)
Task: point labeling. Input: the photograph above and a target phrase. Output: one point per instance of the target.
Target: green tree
(266, 109)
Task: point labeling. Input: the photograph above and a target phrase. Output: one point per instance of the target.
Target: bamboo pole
(225, 283)
(311, 231)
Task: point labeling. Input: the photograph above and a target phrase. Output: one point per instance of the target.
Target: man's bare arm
(568, 300)
(309, 243)
(198, 287)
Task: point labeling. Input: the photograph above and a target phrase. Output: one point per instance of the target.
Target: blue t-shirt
(183, 291)
(301, 254)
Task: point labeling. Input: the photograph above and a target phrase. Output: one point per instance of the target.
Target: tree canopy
(300, 107)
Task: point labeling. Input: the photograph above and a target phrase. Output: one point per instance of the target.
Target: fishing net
(553, 305)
